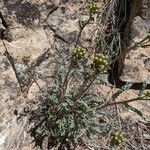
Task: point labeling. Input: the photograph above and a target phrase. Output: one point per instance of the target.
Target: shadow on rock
(26, 13)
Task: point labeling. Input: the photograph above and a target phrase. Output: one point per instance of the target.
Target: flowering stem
(80, 32)
(83, 89)
(66, 80)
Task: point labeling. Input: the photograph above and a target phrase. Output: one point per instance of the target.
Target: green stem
(81, 30)
(65, 84)
(85, 87)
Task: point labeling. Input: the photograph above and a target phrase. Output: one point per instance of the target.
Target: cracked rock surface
(44, 30)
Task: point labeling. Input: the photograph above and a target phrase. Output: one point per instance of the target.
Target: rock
(46, 31)
(146, 136)
(2, 140)
(28, 42)
(147, 64)
(29, 38)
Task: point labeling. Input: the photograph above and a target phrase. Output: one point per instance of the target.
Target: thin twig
(80, 32)
(122, 102)
(138, 43)
(118, 115)
(32, 76)
(66, 80)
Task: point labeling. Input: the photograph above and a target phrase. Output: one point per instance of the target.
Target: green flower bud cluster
(78, 54)
(26, 59)
(79, 126)
(94, 9)
(147, 94)
(117, 138)
(100, 62)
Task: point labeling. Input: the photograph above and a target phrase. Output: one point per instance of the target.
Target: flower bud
(26, 59)
(100, 62)
(117, 138)
(78, 54)
(94, 9)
